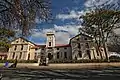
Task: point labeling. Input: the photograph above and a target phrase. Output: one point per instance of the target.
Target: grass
(1, 64)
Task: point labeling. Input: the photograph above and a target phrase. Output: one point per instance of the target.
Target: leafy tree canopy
(5, 36)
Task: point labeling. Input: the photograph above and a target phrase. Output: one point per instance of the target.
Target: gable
(81, 37)
(21, 40)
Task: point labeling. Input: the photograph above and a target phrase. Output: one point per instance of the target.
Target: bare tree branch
(22, 13)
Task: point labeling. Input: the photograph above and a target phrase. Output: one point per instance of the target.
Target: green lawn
(1, 64)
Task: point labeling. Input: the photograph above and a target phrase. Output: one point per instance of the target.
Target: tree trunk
(105, 50)
(98, 50)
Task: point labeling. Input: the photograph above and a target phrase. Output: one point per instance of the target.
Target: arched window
(20, 55)
(15, 47)
(21, 47)
(35, 56)
(49, 43)
(57, 55)
(80, 54)
(29, 56)
(88, 53)
(79, 46)
(13, 55)
(65, 55)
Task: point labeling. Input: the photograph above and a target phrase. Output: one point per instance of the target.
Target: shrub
(64, 61)
(84, 61)
(19, 61)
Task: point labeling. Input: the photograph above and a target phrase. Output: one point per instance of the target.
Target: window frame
(49, 43)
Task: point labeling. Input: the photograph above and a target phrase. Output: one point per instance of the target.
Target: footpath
(66, 65)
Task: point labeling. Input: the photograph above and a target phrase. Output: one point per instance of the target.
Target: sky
(66, 22)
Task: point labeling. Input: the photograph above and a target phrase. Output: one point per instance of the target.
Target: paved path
(69, 65)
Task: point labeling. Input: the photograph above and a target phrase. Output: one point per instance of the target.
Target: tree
(114, 42)
(5, 36)
(99, 24)
(21, 14)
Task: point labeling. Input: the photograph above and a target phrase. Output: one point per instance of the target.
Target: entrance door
(50, 56)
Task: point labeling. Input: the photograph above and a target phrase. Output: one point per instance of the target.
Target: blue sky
(66, 20)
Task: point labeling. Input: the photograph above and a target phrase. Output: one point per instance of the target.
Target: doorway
(50, 56)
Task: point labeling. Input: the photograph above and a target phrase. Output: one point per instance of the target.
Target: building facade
(3, 55)
(23, 49)
(57, 51)
(83, 47)
(80, 47)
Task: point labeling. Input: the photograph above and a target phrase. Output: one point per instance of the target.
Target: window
(58, 55)
(57, 48)
(97, 54)
(49, 43)
(13, 55)
(36, 48)
(21, 47)
(49, 47)
(77, 39)
(85, 38)
(65, 54)
(29, 56)
(42, 48)
(65, 48)
(80, 54)
(0, 57)
(17, 41)
(50, 56)
(5, 58)
(35, 57)
(29, 48)
(20, 55)
(79, 46)
(87, 45)
(88, 53)
(15, 47)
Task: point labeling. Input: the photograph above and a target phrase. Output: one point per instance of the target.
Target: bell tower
(50, 39)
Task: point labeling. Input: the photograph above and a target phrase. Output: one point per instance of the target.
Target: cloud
(62, 37)
(62, 33)
(92, 3)
(101, 3)
(72, 15)
(71, 29)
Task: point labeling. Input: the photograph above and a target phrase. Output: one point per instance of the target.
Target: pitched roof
(62, 45)
(3, 53)
(38, 46)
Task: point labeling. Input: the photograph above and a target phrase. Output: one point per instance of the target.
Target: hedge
(84, 61)
(64, 61)
(19, 61)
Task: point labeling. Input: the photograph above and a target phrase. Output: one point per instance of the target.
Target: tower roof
(49, 33)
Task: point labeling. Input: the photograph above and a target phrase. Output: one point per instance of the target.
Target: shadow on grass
(60, 74)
